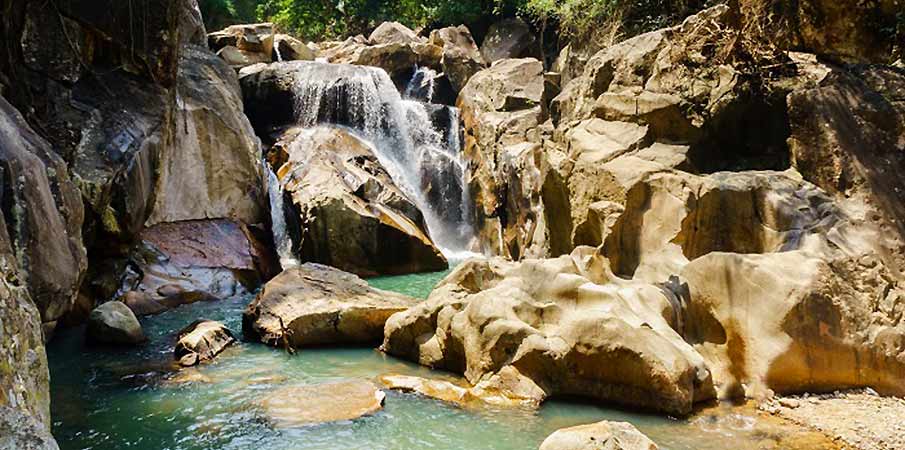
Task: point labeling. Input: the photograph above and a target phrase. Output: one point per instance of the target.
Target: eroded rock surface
(318, 305)
(43, 213)
(345, 209)
(558, 327)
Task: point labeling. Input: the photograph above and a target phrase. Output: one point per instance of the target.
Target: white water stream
(421, 155)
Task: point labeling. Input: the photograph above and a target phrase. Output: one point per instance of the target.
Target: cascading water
(423, 159)
(421, 85)
(281, 239)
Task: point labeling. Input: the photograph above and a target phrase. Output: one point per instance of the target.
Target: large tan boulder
(43, 212)
(346, 209)
(288, 48)
(600, 435)
(319, 305)
(213, 169)
(782, 287)
(554, 327)
(461, 58)
(393, 33)
(501, 111)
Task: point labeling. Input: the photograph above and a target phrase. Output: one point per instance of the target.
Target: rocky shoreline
(682, 217)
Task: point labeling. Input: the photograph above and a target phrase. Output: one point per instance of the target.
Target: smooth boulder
(201, 342)
(600, 435)
(318, 305)
(114, 323)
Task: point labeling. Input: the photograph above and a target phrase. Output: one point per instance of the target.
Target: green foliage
(331, 19)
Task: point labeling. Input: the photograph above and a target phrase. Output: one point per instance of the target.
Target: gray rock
(114, 323)
(20, 431)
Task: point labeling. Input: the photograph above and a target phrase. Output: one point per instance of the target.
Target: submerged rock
(601, 435)
(201, 342)
(114, 323)
(319, 305)
(346, 210)
(298, 406)
(560, 327)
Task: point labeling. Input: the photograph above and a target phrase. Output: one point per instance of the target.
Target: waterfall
(281, 239)
(421, 85)
(410, 138)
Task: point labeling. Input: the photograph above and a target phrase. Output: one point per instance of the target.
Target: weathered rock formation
(314, 305)
(554, 327)
(22, 432)
(508, 169)
(146, 119)
(213, 169)
(202, 341)
(345, 209)
(43, 214)
(600, 435)
(460, 58)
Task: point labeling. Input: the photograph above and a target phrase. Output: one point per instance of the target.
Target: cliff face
(114, 117)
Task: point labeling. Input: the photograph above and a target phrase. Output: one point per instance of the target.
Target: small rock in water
(297, 406)
(202, 341)
(114, 323)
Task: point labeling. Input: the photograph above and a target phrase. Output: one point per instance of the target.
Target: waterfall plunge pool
(109, 399)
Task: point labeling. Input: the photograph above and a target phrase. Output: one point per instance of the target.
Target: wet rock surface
(315, 305)
(201, 342)
(305, 405)
(346, 210)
